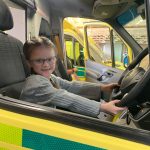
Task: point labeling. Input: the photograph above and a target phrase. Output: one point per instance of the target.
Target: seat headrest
(6, 20)
(44, 28)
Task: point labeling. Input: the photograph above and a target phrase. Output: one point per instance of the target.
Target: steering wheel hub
(131, 79)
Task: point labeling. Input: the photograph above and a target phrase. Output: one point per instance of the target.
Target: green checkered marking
(10, 134)
(1, 148)
(40, 141)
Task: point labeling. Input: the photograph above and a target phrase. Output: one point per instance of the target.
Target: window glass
(99, 35)
(134, 22)
(137, 29)
(99, 43)
(120, 51)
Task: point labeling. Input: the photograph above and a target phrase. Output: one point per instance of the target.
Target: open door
(106, 54)
(75, 56)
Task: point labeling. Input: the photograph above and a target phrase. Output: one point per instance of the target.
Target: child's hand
(111, 108)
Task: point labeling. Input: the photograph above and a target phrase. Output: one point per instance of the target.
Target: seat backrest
(12, 63)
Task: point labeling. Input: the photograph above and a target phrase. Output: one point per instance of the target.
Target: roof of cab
(89, 8)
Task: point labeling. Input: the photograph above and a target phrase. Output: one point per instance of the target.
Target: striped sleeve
(84, 89)
(40, 91)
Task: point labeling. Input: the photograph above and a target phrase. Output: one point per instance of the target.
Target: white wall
(33, 19)
(18, 14)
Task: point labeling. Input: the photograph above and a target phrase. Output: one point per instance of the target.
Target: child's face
(42, 61)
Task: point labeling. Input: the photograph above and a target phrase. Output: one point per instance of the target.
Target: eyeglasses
(41, 61)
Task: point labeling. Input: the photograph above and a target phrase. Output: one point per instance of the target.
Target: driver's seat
(12, 62)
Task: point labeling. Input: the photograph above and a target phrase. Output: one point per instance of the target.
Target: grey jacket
(74, 96)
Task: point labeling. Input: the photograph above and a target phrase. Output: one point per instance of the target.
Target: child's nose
(46, 63)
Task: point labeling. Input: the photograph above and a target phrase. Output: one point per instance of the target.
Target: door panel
(97, 73)
(38, 127)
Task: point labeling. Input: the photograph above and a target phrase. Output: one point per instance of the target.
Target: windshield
(134, 23)
(137, 29)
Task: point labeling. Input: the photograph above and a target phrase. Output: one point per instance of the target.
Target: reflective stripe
(36, 140)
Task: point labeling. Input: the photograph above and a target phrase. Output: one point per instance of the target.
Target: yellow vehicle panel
(34, 133)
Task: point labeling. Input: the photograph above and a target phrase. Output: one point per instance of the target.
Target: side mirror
(126, 60)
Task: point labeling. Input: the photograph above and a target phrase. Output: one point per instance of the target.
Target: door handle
(105, 76)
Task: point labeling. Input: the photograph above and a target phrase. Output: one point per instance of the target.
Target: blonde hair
(35, 42)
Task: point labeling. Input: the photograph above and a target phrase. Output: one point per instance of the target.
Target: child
(44, 88)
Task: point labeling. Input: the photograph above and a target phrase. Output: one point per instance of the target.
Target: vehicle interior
(134, 81)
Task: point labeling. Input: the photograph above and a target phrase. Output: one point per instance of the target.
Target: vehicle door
(106, 54)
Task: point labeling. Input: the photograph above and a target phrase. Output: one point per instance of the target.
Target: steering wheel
(134, 84)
